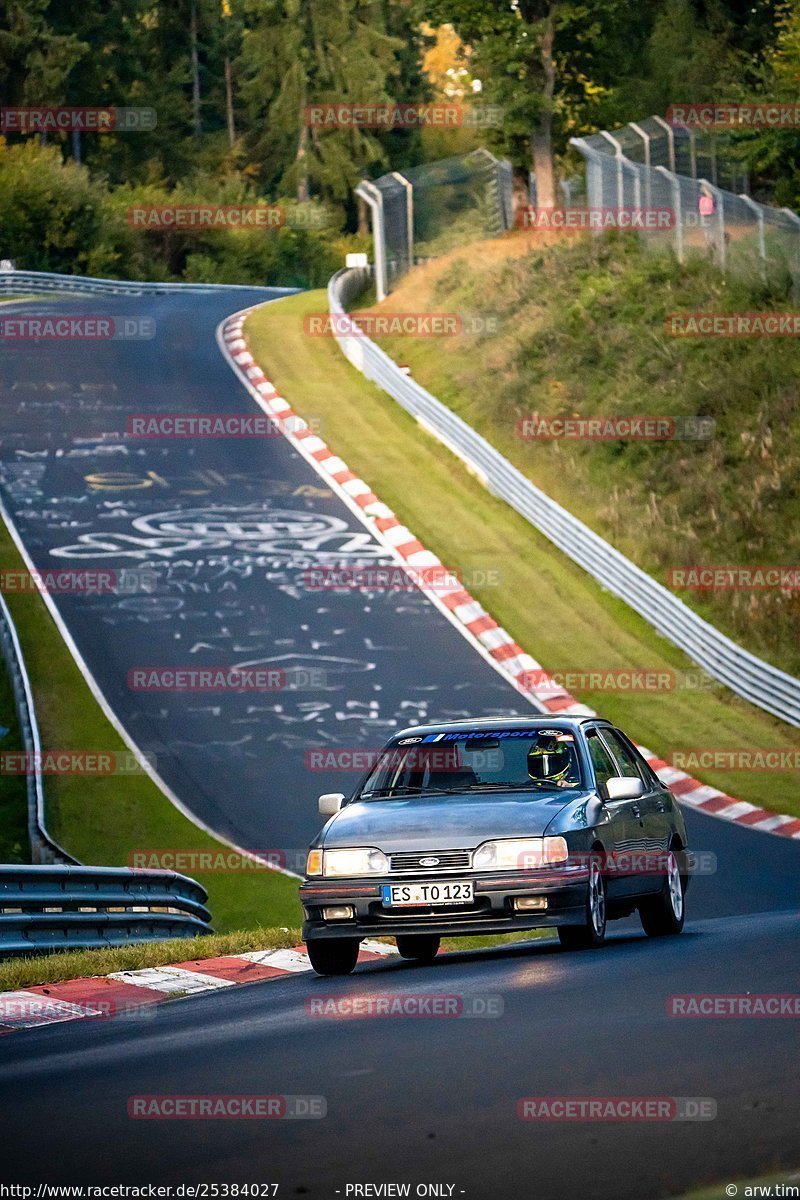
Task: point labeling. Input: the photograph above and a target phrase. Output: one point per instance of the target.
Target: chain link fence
(692, 175)
(431, 209)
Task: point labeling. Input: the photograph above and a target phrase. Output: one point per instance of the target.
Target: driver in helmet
(552, 760)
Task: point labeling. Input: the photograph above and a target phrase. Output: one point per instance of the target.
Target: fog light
(340, 912)
(530, 903)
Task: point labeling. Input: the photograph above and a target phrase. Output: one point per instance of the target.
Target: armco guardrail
(44, 849)
(42, 282)
(744, 673)
(67, 908)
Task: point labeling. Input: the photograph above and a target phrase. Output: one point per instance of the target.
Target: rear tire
(333, 956)
(663, 915)
(418, 947)
(592, 934)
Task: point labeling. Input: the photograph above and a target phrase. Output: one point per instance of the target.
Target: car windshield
(533, 760)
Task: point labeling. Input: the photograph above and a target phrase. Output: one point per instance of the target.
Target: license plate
(402, 895)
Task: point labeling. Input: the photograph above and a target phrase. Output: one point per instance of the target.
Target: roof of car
(476, 724)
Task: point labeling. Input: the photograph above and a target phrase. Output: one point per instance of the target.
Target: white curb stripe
(24, 1010)
(171, 979)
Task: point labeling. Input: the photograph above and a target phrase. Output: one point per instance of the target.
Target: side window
(604, 766)
(638, 765)
(629, 767)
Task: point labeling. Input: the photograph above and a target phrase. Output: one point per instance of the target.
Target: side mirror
(330, 803)
(620, 787)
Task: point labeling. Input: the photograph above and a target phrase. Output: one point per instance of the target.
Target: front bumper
(492, 910)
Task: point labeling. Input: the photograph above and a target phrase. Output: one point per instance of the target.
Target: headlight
(519, 854)
(360, 861)
(314, 862)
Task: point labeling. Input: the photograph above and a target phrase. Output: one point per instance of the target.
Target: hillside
(580, 332)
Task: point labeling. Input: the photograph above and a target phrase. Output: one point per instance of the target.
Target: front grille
(449, 860)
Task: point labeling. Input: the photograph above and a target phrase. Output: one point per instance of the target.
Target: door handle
(637, 812)
(662, 806)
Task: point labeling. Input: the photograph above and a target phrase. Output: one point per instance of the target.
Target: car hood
(444, 822)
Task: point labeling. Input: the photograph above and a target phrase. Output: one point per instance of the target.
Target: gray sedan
(493, 826)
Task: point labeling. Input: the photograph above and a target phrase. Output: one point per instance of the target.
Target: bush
(50, 211)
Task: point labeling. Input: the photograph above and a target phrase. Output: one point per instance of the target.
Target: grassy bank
(102, 819)
(580, 332)
(548, 604)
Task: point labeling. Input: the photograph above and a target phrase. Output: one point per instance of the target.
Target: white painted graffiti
(296, 537)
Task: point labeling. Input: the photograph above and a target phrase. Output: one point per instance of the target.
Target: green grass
(554, 609)
(78, 964)
(581, 332)
(102, 819)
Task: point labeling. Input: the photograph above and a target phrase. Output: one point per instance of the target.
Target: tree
(297, 53)
(534, 58)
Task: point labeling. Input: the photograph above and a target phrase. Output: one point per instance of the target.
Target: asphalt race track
(217, 537)
(423, 1101)
(434, 1100)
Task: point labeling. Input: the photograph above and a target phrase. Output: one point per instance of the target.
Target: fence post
(677, 208)
(375, 203)
(619, 157)
(670, 141)
(409, 215)
(720, 214)
(646, 140)
(795, 220)
(762, 246)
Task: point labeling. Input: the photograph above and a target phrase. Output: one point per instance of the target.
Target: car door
(624, 817)
(654, 808)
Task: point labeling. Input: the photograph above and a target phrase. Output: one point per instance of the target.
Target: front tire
(663, 915)
(592, 934)
(333, 956)
(418, 947)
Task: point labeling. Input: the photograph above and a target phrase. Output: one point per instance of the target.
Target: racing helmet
(550, 759)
